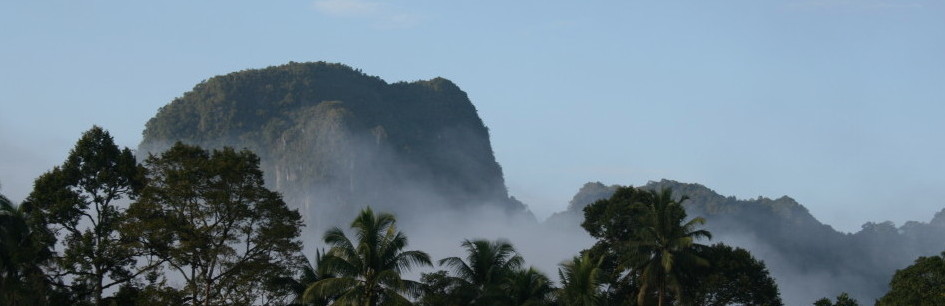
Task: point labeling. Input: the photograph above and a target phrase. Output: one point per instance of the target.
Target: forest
(192, 226)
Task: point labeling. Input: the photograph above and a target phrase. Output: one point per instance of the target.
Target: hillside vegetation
(333, 139)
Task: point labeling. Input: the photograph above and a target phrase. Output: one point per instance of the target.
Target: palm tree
(487, 264)
(528, 287)
(308, 275)
(22, 281)
(368, 272)
(580, 281)
(663, 245)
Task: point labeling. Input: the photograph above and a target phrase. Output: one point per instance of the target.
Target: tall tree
(308, 274)
(486, 266)
(922, 283)
(368, 271)
(581, 281)
(664, 245)
(210, 218)
(76, 205)
(646, 242)
(22, 281)
(527, 287)
(614, 222)
(732, 277)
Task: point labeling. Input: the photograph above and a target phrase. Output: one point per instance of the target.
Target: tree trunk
(98, 286)
(660, 292)
(206, 297)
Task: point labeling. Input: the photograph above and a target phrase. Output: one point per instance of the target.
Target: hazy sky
(836, 103)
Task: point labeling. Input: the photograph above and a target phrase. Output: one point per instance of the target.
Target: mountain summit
(333, 139)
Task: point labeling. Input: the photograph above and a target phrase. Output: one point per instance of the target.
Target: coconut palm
(580, 281)
(527, 287)
(368, 272)
(486, 266)
(308, 274)
(664, 245)
(21, 279)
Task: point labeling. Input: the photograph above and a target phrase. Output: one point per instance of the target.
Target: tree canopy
(209, 218)
(76, 204)
(368, 271)
(922, 283)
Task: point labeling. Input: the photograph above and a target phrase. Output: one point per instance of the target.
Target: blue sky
(836, 103)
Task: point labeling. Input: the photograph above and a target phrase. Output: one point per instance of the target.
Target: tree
(308, 275)
(664, 245)
(732, 277)
(211, 220)
(439, 288)
(368, 272)
(21, 279)
(487, 264)
(613, 221)
(581, 281)
(646, 237)
(76, 204)
(922, 283)
(845, 300)
(527, 287)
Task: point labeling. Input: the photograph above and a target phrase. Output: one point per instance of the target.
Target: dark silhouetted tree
(368, 271)
(209, 217)
(22, 281)
(487, 265)
(843, 299)
(527, 287)
(581, 281)
(76, 205)
(646, 242)
(733, 276)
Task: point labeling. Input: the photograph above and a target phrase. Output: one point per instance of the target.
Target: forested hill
(333, 139)
(808, 258)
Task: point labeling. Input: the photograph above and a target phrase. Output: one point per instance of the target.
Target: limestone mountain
(333, 139)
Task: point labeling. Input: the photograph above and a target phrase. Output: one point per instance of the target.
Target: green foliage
(439, 288)
(486, 265)
(75, 204)
(581, 281)
(527, 287)
(802, 244)
(209, 218)
(664, 246)
(922, 283)
(22, 281)
(843, 299)
(296, 286)
(491, 274)
(645, 235)
(733, 276)
(367, 272)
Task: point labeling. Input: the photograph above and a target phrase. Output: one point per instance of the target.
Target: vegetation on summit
(328, 135)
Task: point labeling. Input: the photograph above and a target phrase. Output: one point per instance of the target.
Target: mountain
(333, 139)
(809, 259)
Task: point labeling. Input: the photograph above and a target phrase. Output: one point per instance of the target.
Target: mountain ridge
(809, 258)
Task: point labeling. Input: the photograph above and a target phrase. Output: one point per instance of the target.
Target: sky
(835, 103)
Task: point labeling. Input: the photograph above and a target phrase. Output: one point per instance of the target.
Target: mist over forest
(333, 141)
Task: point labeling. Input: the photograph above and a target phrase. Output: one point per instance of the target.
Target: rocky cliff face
(333, 139)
